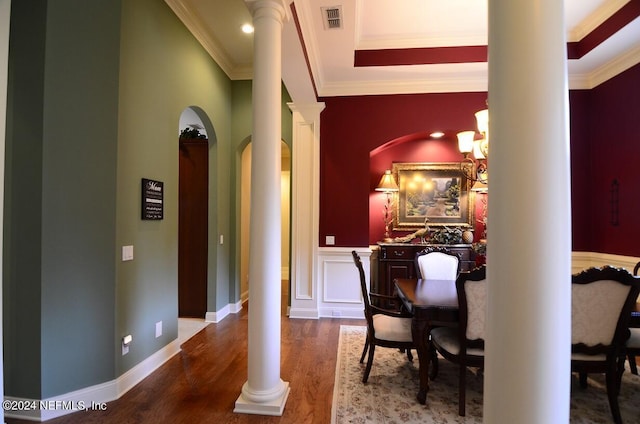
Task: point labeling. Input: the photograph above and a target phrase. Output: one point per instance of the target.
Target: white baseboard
(303, 313)
(136, 374)
(338, 312)
(231, 308)
(92, 397)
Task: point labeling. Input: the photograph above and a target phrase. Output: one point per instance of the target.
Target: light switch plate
(127, 253)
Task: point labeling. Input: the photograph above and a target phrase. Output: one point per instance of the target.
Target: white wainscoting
(339, 293)
(584, 260)
(339, 285)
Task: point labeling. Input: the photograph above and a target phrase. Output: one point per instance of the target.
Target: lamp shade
(387, 182)
(477, 150)
(465, 141)
(480, 187)
(482, 119)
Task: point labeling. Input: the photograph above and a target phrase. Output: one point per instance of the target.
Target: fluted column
(527, 364)
(264, 392)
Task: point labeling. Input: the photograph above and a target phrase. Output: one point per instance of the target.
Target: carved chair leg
(612, 394)
(462, 388)
(367, 369)
(619, 368)
(632, 364)
(433, 372)
(364, 351)
(583, 380)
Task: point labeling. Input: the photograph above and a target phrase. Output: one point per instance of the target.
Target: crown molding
(591, 22)
(306, 28)
(614, 67)
(183, 10)
(437, 85)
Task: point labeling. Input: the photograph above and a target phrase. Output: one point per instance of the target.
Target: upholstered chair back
(438, 265)
(595, 311)
(476, 297)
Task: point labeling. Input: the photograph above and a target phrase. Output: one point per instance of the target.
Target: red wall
(602, 148)
(614, 126)
(351, 127)
(580, 169)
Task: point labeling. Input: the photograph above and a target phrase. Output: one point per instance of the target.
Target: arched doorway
(193, 216)
(285, 202)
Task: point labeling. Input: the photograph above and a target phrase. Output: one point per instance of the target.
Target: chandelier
(468, 144)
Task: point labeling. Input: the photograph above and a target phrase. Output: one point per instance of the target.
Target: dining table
(432, 303)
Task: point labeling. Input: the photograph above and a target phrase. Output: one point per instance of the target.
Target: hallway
(202, 382)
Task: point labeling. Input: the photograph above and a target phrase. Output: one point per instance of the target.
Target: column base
(273, 407)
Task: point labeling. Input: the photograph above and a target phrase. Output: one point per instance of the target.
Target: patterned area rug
(389, 396)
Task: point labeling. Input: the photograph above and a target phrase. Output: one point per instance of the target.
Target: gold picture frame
(438, 191)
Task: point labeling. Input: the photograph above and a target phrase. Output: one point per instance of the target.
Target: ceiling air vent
(332, 17)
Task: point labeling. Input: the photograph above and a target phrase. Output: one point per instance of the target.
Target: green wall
(95, 93)
(163, 70)
(60, 196)
(23, 201)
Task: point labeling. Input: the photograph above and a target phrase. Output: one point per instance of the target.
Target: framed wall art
(152, 199)
(438, 191)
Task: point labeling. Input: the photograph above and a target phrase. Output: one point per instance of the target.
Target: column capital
(309, 111)
(281, 6)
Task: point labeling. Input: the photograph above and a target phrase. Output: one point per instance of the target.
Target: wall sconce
(480, 148)
(388, 186)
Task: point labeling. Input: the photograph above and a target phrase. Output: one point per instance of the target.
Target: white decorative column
(527, 364)
(305, 178)
(264, 392)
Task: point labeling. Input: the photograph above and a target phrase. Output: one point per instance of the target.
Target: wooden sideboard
(396, 260)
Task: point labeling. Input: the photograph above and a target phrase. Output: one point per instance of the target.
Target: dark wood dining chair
(601, 304)
(464, 345)
(385, 328)
(633, 344)
(437, 263)
(633, 349)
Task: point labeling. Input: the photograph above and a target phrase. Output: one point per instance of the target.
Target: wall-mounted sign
(152, 194)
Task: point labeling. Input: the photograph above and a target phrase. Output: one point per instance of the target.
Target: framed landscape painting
(440, 192)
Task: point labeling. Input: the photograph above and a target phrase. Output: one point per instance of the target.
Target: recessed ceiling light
(437, 134)
(247, 28)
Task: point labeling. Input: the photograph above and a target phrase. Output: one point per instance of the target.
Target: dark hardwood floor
(203, 381)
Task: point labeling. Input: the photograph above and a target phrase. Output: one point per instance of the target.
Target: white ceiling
(400, 24)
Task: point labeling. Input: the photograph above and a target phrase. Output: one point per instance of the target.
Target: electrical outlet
(158, 329)
(330, 240)
(126, 341)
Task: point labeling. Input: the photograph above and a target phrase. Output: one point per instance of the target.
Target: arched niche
(198, 200)
(416, 147)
